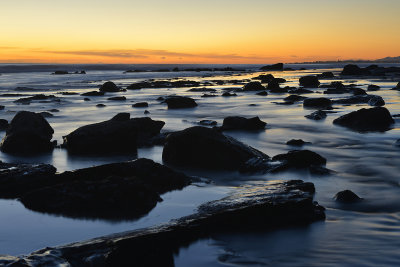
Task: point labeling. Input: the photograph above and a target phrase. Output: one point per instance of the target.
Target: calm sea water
(365, 234)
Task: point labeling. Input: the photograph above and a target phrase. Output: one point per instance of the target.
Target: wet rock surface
(296, 142)
(241, 123)
(123, 190)
(178, 102)
(253, 86)
(260, 206)
(319, 103)
(316, 115)
(28, 132)
(372, 119)
(347, 196)
(277, 66)
(109, 87)
(207, 148)
(119, 134)
(309, 81)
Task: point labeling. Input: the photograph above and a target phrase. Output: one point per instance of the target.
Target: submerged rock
(207, 148)
(296, 142)
(318, 103)
(253, 86)
(241, 123)
(262, 93)
(177, 102)
(309, 81)
(28, 132)
(300, 159)
(119, 134)
(277, 66)
(372, 119)
(118, 190)
(347, 196)
(316, 115)
(19, 179)
(93, 93)
(373, 87)
(294, 98)
(39, 97)
(109, 87)
(207, 122)
(372, 100)
(117, 98)
(258, 207)
(326, 75)
(140, 105)
(229, 94)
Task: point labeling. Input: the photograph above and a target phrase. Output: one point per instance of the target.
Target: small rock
(253, 86)
(326, 75)
(347, 196)
(262, 93)
(319, 103)
(241, 123)
(109, 87)
(317, 115)
(208, 123)
(309, 81)
(277, 66)
(229, 94)
(100, 105)
(146, 112)
(117, 98)
(178, 102)
(296, 142)
(140, 105)
(373, 87)
(93, 93)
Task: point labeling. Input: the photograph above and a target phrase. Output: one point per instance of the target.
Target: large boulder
(119, 134)
(207, 148)
(28, 132)
(352, 69)
(123, 190)
(318, 103)
(253, 86)
(372, 119)
(241, 123)
(277, 66)
(177, 102)
(309, 81)
(109, 87)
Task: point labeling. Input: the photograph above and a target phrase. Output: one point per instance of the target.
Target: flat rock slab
(260, 206)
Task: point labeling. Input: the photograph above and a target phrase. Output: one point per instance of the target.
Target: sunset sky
(207, 31)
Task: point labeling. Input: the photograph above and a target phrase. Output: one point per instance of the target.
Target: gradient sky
(207, 31)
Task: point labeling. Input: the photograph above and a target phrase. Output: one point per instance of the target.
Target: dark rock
(93, 93)
(362, 99)
(376, 101)
(208, 123)
(352, 69)
(204, 89)
(28, 132)
(319, 103)
(262, 93)
(317, 115)
(300, 91)
(253, 86)
(123, 190)
(163, 84)
(347, 196)
(309, 81)
(241, 123)
(146, 112)
(208, 95)
(19, 179)
(278, 90)
(294, 98)
(273, 85)
(398, 86)
(265, 78)
(2, 107)
(140, 105)
(177, 102)
(296, 142)
(160, 98)
(299, 159)
(35, 97)
(69, 93)
(372, 119)
(278, 66)
(229, 94)
(119, 134)
(359, 91)
(100, 105)
(86, 99)
(60, 72)
(117, 98)
(326, 75)
(260, 207)
(3, 124)
(109, 87)
(373, 87)
(207, 148)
